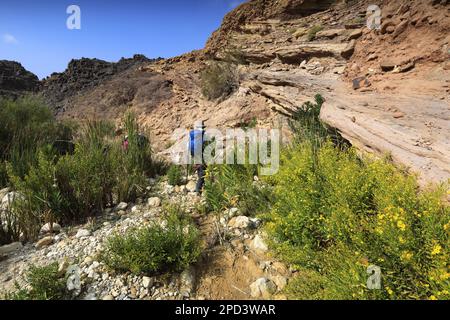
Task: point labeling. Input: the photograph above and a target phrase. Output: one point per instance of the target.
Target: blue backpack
(196, 142)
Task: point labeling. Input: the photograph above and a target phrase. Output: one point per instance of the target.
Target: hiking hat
(199, 125)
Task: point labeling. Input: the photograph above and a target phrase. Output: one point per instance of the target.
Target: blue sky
(35, 32)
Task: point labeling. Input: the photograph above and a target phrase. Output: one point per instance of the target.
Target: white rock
(241, 222)
(262, 287)
(135, 209)
(279, 281)
(169, 189)
(154, 202)
(46, 228)
(191, 186)
(258, 244)
(233, 212)
(147, 282)
(82, 233)
(122, 206)
(108, 297)
(44, 242)
(9, 248)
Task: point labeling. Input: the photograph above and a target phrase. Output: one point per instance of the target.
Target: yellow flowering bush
(335, 214)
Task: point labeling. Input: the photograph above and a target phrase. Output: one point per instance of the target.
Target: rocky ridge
(15, 80)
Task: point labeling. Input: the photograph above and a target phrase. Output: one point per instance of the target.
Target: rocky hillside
(15, 80)
(81, 75)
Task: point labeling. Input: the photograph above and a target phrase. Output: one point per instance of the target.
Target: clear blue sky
(35, 33)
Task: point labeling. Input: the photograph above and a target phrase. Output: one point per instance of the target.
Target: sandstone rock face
(263, 10)
(15, 80)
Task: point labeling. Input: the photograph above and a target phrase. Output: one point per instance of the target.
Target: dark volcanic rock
(81, 75)
(15, 80)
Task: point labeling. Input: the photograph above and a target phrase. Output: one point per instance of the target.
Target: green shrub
(233, 186)
(155, 248)
(336, 214)
(218, 80)
(44, 283)
(73, 187)
(313, 31)
(175, 175)
(26, 125)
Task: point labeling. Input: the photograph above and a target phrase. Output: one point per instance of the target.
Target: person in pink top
(125, 144)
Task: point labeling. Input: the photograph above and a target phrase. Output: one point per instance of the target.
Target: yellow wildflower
(447, 226)
(445, 276)
(401, 225)
(432, 298)
(436, 250)
(406, 256)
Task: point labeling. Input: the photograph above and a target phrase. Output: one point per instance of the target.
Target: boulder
(46, 228)
(387, 65)
(122, 206)
(349, 49)
(82, 233)
(154, 202)
(46, 241)
(147, 282)
(355, 34)
(262, 288)
(10, 248)
(258, 244)
(279, 281)
(360, 82)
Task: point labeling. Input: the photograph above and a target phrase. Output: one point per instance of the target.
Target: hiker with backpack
(196, 146)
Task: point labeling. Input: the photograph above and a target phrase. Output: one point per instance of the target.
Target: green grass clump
(156, 248)
(175, 175)
(44, 283)
(218, 80)
(311, 35)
